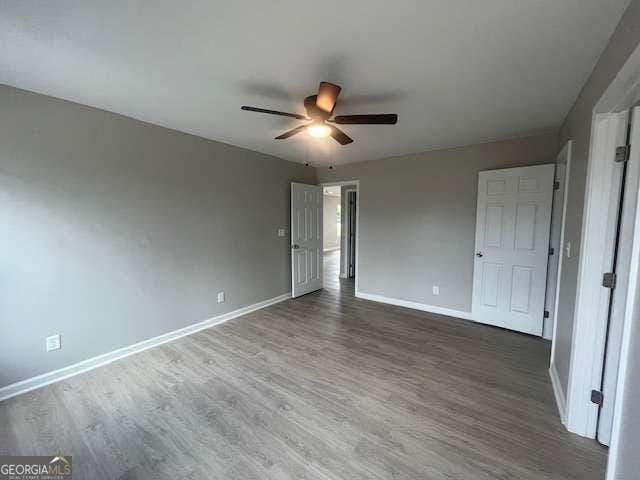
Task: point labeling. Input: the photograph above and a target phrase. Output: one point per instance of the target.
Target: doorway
(332, 235)
(350, 232)
(624, 212)
(341, 262)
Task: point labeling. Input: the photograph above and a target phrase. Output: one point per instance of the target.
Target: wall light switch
(567, 247)
(220, 297)
(436, 290)
(53, 342)
(281, 232)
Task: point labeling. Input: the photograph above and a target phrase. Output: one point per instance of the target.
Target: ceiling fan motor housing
(313, 111)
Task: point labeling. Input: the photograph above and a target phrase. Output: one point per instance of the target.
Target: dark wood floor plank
(325, 386)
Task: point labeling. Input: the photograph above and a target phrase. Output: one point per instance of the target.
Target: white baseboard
(332, 249)
(95, 362)
(416, 306)
(561, 401)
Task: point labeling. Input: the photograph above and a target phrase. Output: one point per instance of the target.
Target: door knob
(479, 254)
(295, 246)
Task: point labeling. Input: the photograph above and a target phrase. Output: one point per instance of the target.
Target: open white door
(512, 246)
(630, 171)
(306, 238)
(556, 239)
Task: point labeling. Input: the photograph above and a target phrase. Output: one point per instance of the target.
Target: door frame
(357, 190)
(631, 316)
(347, 230)
(589, 332)
(596, 256)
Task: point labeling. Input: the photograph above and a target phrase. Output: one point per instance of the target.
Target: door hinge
(551, 251)
(609, 280)
(556, 185)
(545, 314)
(597, 397)
(622, 153)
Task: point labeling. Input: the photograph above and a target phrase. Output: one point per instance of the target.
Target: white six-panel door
(512, 246)
(306, 238)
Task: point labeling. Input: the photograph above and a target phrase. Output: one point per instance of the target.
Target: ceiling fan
(319, 110)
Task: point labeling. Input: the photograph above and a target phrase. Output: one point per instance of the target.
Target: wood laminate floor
(322, 387)
(331, 272)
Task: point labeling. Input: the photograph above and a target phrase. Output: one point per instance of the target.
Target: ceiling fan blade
(381, 119)
(274, 112)
(341, 137)
(327, 96)
(292, 132)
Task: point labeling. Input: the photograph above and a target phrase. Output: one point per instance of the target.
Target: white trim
(331, 249)
(104, 359)
(561, 251)
(558, 393)
(416, 306)
(341, 183)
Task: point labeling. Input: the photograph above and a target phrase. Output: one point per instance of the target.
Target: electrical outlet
(436, 290)
(220, 297)
(53, 342)
(281, 232)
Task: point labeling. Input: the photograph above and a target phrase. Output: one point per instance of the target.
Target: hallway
(331, 274)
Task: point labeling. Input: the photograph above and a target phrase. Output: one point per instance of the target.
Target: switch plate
(281, 232)
(436, 290)
(220, 297)
(567, 248)
(53, 342)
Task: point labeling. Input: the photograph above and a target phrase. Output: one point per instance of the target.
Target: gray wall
(417, 217)
(577, 127)
(330, 222)
(114, 231)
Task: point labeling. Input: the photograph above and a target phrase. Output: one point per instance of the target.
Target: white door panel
(306, 238)
(556, 238)
(512, 241)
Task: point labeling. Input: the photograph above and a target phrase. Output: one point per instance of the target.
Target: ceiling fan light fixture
(319, 109)
(319, 130)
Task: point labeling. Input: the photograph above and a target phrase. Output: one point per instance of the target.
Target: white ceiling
(457, 72)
